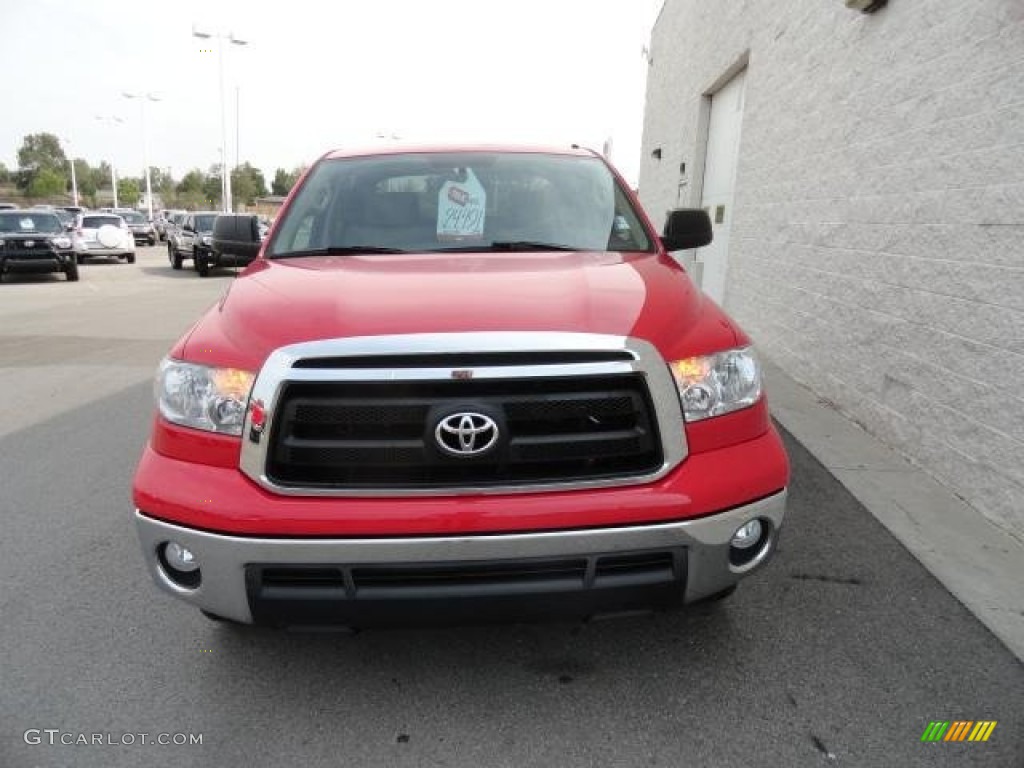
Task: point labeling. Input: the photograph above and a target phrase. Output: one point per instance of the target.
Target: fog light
(179, 564)
(180, 558)
(747, 535)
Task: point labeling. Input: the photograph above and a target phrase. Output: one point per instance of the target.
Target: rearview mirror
(686, 228)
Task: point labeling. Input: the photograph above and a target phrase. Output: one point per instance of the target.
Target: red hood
(275, 303)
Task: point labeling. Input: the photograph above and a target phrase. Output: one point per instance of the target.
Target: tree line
(44, 173)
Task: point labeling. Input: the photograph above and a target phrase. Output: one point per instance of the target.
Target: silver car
(104, 234)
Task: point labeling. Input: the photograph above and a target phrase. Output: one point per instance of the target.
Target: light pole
(143, 98)
(113, 171)
(225, 173)
(74, 182)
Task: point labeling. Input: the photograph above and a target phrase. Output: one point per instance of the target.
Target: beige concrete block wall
(877, 248)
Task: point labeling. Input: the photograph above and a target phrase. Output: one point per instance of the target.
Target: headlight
(206, 239)
(62, 242)
(1, 243)
(202, 397)
(711, 385)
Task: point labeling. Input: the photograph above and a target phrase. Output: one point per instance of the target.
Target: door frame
(704, 123)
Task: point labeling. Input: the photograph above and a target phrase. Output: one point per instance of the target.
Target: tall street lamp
(113, 171)
(143, 98)
(225, 173)
(74, 182)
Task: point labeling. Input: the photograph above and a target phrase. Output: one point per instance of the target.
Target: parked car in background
(172, 231)
(36, 241)
(164, 221)
(142, 229)
(8, 207)
(66, 218)
(195, 238)
(104, 234)
(237, 238)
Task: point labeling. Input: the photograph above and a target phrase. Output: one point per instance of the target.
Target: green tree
(212, 192)
(39, 152)
(190, 189)
(163, 185)
(247, 183)
(128, 191)
(191, 182)
(284, 181)
(212, 188)
(46, 182)
(5, 175)
(101, 175)
(86, 179)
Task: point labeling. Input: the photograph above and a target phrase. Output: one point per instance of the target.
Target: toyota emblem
(466, 434)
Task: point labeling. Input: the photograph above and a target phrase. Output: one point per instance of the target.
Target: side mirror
(686, 228)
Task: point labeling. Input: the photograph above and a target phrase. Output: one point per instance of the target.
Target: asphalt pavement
(840, 653)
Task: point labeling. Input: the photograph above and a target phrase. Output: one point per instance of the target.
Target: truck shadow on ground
(187, 271)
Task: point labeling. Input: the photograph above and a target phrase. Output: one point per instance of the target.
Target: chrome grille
(357, 416)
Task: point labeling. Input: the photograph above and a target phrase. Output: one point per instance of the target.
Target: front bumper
(95, 248)
(288, 581)
(217, 259)
(44, 261)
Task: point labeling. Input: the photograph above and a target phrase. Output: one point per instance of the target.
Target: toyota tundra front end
(460, 385)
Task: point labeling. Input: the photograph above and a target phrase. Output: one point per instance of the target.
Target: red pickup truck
(460, 385)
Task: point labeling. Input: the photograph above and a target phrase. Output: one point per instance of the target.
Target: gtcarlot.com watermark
(56, 737)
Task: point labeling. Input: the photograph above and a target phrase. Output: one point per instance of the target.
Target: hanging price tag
(461, 208)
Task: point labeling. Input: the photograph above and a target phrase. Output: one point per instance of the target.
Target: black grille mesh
(381, 434)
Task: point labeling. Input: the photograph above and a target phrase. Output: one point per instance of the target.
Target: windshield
(454, 201)
(205, 223)
(28, 223)
(95, 222)
(134, 218)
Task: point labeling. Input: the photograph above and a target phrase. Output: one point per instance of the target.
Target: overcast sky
(319, 75)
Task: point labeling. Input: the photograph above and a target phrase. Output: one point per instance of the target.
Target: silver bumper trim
(223, 558)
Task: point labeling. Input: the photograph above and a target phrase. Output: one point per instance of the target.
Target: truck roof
(405, 149)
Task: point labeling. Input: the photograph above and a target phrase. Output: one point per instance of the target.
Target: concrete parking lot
(840, 653)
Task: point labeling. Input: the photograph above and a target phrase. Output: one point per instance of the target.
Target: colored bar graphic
(935, 730)
(958, 730)
(983, 730)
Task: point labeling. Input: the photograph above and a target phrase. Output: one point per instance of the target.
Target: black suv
(36, 241)
(236, 241)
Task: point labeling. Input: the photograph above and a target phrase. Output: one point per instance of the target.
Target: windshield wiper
(335, 250)
(508, 245)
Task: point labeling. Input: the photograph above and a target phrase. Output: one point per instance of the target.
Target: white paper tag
(461, 208)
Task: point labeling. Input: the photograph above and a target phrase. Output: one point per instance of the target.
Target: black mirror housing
(686, 228)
